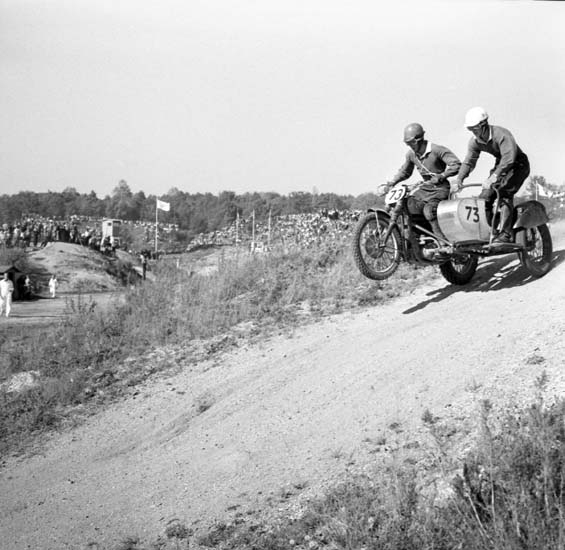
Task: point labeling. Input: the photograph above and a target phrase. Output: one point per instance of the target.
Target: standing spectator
(143, 258)
(53, 284)
(28, 288)
(6, 291)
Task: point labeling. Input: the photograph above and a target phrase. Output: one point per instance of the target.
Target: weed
(535, 359)
(177, 530)
(472, 386)
(203, 403)
(428, 417)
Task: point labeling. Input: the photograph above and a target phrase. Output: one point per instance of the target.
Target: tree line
(193, 213)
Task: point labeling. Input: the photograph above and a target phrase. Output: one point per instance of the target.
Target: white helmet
(475, 116)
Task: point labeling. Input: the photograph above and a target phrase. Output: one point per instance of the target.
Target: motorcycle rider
(435, 163)
(510, 170)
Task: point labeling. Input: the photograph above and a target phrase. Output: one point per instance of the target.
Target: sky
(267, 95)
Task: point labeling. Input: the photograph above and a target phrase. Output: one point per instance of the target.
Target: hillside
(78, 268)
(252, 429)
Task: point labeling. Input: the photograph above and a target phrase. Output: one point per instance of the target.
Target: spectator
(143, 258)
(53, 284)
(6, 291)
(28, 288)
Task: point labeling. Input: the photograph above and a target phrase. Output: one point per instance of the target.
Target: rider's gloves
(455, 186)
(384, 188)
(436, 179)
(492, 179)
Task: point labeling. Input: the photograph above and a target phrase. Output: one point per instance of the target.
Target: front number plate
(394, 195)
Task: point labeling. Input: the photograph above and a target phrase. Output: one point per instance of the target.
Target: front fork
(392, 222)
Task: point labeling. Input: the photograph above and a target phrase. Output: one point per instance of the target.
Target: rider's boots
(505, 235)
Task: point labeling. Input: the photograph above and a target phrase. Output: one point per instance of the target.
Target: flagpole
(269, 234)
(253, 231)
(156, 224)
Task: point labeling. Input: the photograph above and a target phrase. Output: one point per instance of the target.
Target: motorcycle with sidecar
(383, 237)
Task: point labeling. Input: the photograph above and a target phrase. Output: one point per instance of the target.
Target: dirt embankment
(78, 268)
(228, 434)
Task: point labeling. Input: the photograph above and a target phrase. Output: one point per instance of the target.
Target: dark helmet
(413, 131)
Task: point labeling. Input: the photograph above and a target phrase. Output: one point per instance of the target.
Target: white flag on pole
(162, 205)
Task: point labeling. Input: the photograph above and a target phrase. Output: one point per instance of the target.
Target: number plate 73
(394, 195)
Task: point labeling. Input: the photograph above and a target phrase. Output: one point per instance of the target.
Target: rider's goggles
(477, 127)
(414, 141)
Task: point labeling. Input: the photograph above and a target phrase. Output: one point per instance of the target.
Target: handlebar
(494, 187)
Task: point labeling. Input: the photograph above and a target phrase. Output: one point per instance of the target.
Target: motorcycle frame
(398, 216)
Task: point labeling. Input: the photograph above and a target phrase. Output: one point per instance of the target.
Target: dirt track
(289, 411)
(47, 310)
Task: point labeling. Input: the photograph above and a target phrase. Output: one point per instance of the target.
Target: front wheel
(459, 270)
(376, 258)
(536, 258)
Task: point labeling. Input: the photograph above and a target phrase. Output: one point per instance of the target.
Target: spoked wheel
(460, 269)
(376, 258)
(539, 249)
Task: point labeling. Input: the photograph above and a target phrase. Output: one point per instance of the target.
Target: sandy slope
(76, 267)
(288, 411)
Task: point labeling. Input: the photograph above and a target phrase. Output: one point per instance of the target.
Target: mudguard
(382, 214)
(530, 214)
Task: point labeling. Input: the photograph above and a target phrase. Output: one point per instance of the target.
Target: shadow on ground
(495, 273)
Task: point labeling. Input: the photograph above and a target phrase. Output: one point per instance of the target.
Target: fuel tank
(463, 219)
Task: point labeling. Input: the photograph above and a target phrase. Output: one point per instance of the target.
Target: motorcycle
(384, 237)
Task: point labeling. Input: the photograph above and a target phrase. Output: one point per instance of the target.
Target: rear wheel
(376, 259)
(460, 269)
(539, 249)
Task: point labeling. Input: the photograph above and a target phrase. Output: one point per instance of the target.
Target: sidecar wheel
(539, 249)
(375, 259)
(460, 269)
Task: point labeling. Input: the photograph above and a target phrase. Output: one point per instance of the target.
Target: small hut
(17, 277)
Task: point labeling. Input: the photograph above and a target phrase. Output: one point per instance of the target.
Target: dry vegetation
(88, 356)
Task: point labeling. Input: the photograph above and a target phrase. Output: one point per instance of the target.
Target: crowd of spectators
(37, 231)
(290, 231)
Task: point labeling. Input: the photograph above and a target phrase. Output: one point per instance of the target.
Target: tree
(122, 204)
(537, 186)
(299, 202)
(367, 200)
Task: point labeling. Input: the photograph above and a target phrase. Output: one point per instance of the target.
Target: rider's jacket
(436, 160)
(502, 145)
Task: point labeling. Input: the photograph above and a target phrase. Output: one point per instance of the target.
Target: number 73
(474, 212)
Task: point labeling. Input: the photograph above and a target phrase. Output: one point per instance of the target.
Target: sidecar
(464, 223)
